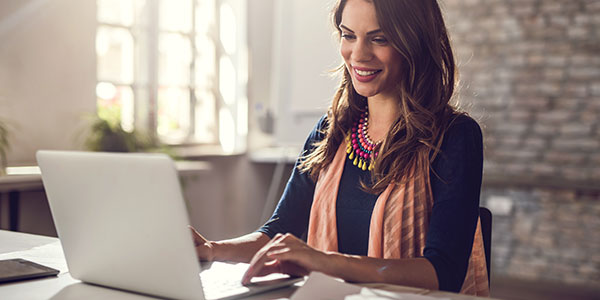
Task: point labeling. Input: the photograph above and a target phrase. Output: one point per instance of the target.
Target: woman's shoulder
(462, 125)
(462, 131)
(317, 134)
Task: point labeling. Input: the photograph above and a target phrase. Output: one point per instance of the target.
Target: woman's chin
(366, 92)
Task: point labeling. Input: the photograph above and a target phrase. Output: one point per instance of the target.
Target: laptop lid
(122, 221)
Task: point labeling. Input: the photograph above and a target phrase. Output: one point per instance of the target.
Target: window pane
(205, 62)
(206, 123)
(114, 47)
(118, 12)
(115, 104)
(173, 114)
(205, 16)
(228, 28)
(175, 15)
(175, 56)
(226, 130)
(227, 80)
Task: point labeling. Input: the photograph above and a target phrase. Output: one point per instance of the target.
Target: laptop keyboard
(223, 281)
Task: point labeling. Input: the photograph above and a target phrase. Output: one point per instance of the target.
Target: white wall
(47, 73)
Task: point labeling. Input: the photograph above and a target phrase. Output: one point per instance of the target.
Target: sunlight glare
(227, 130)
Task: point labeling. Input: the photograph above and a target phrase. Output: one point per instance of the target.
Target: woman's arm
(291, 215)
(456, 185)
(240, 249)
(288, 254)
(417, 272)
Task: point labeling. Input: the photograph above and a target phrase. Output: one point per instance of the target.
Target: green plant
(109, 136)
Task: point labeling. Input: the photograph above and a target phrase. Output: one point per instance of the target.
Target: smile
(365, 75)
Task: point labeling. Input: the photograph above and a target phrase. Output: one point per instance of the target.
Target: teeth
(365, 73)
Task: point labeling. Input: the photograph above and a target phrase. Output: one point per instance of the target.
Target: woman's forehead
(359, 15)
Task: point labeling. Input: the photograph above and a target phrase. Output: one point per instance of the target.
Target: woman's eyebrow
(342, 26)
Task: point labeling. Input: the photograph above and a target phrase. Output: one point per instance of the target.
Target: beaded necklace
(360, 148)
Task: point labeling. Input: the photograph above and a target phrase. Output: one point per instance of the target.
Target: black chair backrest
(485, 215)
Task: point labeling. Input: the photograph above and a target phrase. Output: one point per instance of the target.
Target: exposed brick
(595, 89)
(576, 130)
(568, 103)
(532, 72)
(554, 73)
(511, 142)
(592, 6)
(511, 128)
(576, 90)
(562, 157)
(551, 7)
(515, 168)
(519, 115)
(545, 130)
(574, 173)
(581, 144)
(559, 20)
(543, 169)
(584, 73)
(582, 20)
(529, 98)
(534, 143)
(554, 116)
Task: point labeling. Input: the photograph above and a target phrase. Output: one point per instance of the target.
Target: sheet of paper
(319, 286)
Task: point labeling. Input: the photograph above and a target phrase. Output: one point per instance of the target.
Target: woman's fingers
(258, 265)
(268, 268)
(198, 238)
(271, 259)
(204, 249)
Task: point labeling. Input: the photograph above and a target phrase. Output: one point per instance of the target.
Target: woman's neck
(383, 112)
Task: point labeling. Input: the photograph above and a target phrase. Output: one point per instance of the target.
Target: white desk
(47, 251)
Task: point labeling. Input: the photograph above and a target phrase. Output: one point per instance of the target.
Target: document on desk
(319, 286)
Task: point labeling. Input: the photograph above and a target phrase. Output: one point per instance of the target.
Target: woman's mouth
(365, 75)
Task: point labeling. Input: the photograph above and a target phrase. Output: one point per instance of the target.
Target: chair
(485, 215)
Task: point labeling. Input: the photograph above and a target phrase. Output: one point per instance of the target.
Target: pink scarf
(398, 224)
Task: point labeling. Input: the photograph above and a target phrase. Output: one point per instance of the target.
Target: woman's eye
(380, 40)
(347, 36)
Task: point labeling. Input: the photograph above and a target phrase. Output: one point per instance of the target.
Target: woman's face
(370, 59)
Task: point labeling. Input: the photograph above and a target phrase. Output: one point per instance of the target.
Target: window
(175, 69)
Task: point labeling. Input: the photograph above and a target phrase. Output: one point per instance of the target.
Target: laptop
(123, 223)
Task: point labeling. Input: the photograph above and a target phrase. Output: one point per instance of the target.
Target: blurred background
(232, 88)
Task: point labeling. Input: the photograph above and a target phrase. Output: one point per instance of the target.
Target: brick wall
(530, 73)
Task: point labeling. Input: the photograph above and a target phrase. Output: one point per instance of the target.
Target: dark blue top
(455, 184)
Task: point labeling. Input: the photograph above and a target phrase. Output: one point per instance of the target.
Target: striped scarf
(398, 224)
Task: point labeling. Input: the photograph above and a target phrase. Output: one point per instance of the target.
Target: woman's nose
(362, 51)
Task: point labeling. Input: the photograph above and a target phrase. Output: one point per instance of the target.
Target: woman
(388, 187)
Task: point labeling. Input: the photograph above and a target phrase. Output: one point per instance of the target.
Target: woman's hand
(285, 254)
(204, 247)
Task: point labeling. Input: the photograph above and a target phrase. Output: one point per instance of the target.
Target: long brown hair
(417, 31)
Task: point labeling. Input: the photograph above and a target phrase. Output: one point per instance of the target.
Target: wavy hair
(417, 31)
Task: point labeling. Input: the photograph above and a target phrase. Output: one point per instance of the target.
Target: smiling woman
(387, 187)
(372, 61)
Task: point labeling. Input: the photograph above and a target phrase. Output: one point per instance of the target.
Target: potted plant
(109, 136)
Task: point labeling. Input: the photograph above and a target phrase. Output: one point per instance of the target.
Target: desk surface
(47, 251)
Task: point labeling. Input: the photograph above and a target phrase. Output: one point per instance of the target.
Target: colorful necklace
(360, 148)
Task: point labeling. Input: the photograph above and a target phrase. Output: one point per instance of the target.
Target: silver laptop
(122, 223)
